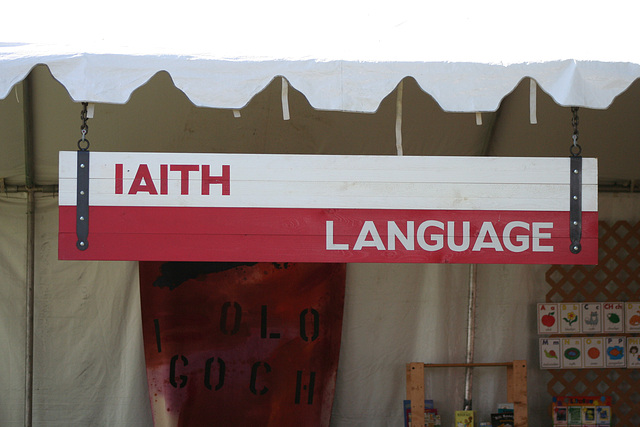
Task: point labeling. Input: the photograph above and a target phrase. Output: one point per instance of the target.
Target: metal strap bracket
(82, 200)
(575, 204)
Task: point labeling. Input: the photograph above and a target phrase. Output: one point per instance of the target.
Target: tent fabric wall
(89, 365)
(88, 359)
(88, 353)
(397, 314)
(12, 140)
(12, 308)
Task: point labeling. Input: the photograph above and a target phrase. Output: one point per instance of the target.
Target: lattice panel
(615, 278)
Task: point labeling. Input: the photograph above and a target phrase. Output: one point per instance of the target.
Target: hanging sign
(321, 208)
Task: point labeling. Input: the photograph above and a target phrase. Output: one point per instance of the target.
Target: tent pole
(471, 329)
(473, 285)
(29, 184)
(30, 309)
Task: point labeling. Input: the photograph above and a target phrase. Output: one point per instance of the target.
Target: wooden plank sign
(320, 208)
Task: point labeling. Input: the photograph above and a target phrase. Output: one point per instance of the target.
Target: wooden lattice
(615, 278)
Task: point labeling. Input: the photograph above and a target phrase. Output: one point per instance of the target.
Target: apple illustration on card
(547, 318)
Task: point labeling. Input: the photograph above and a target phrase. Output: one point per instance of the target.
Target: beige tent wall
(12, 308)
(89, 367)
(12, 137)
(88, 356)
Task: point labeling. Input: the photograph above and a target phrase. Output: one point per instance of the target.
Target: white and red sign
(321, 208)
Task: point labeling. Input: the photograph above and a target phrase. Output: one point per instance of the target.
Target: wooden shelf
(516, 387)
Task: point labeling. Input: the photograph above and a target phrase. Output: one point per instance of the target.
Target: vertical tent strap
(285, 99)
(30, 272)
(533, 102)
(82, 193)
(399, 150)
(575, 184)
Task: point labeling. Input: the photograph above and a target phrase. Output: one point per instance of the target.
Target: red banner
(241, 344)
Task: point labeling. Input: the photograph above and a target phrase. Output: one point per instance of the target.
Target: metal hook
(575, 149)
(84, 128)
(80, 142)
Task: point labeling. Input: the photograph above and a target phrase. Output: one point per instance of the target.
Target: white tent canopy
(344, 56)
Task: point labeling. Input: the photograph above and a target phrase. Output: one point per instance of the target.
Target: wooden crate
(516, 387)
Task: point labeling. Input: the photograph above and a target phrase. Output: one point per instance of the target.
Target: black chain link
(575, 148)
(84, 128)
